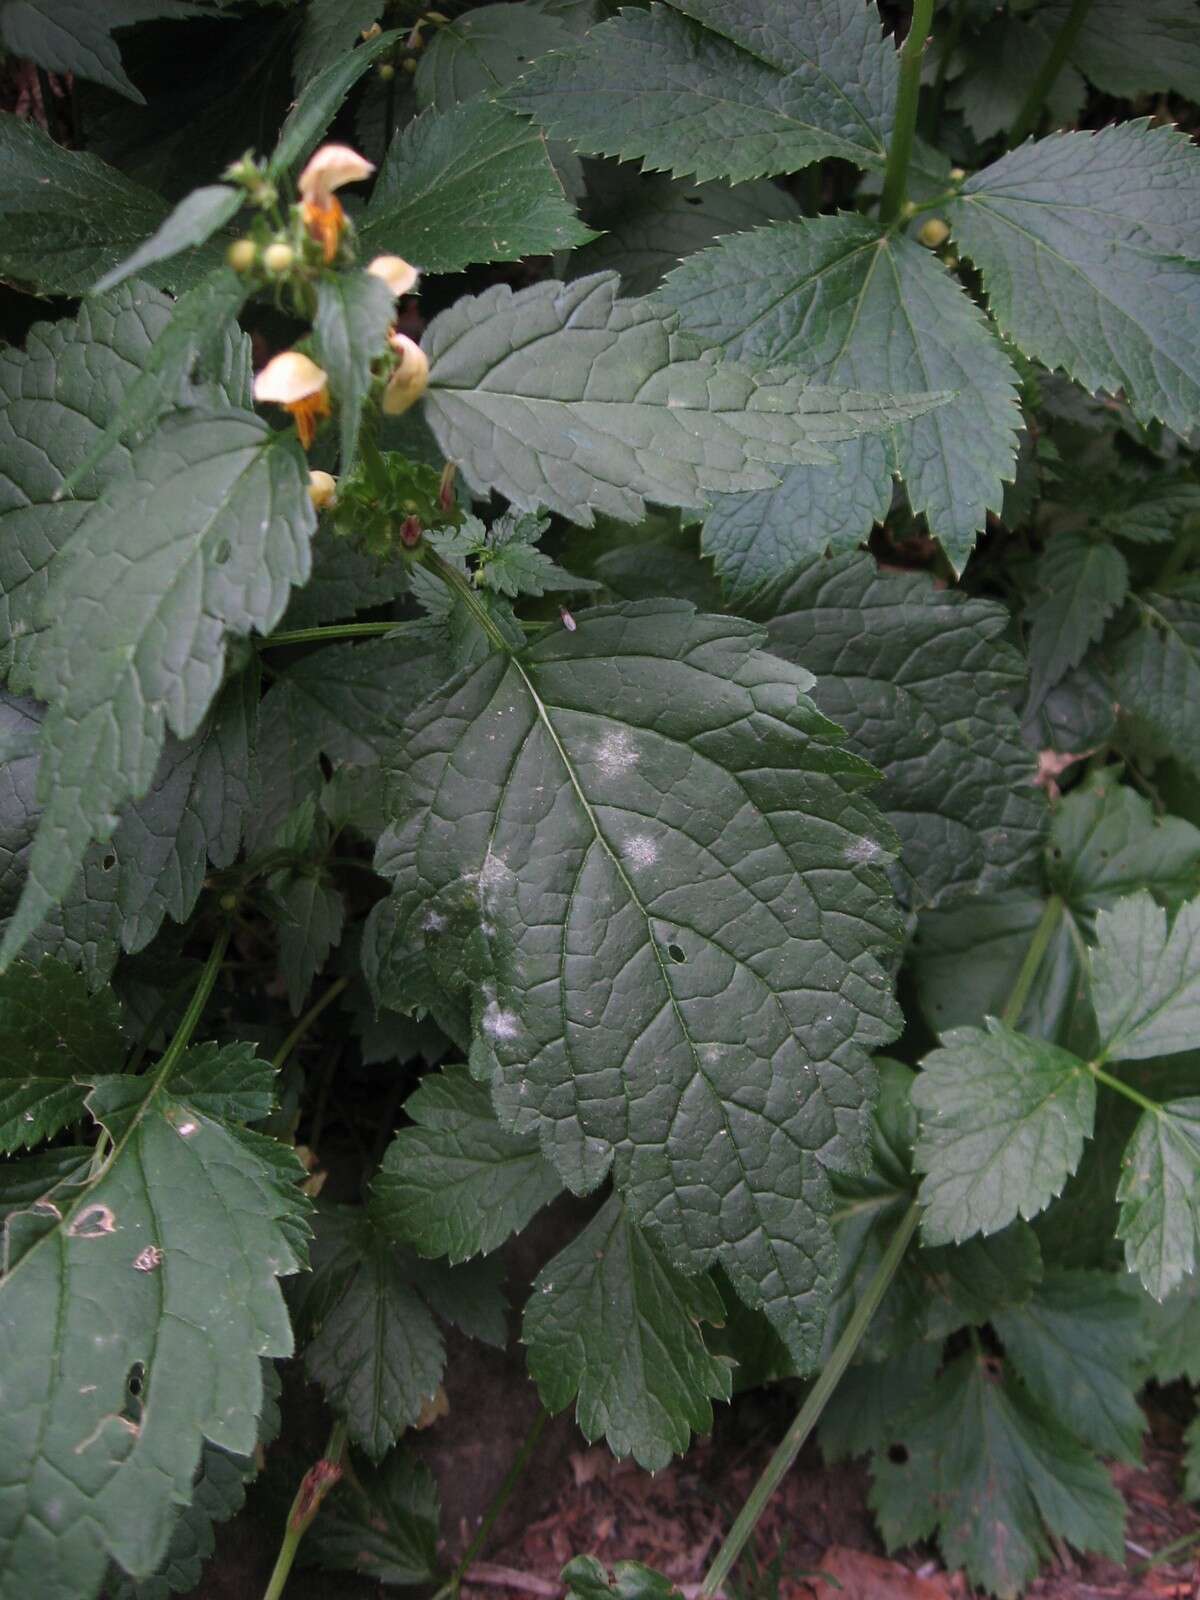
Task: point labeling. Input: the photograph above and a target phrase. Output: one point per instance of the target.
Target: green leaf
(331, 28)
(382, 1522)
(27, 1180)
(713, 90)
(996, 1476)
(610, 1321)
(1086, 243)
(587, 1579)
(997, 66)
(565, 397)
(1146, 981)
(871, 1396)
(619, 774)
(473, 183)
(923, 681)
(165, 1265)
(1107, 842)
(1077, 1345)
(321, 99)
(1161, 53)
(76, 35)
(55, 1039)
(193, 222)
(1155, 672)
(1079, 583)
(371, 1341)
(345, 580)
(68, 215)
(354, 312)
(488, 47)
(1003, 1123)
(346, 702)
(1173, 1333)
(456, 1183)
(198, 543)
(1160, 1211)
(648, 222)
(310, 922)
(509, 561)
(200, 340)
(846, 304)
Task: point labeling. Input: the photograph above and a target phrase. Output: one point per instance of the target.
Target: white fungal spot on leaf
(499, 1024)
(641, 850)
(149, 1259)
(615, 753)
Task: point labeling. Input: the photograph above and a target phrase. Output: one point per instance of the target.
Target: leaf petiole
(1027, 118)
(895, 178)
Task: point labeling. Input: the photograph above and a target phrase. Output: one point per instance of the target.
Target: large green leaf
(321, 99)
(382, 1522)
(710, 89)
(193, 222)
(1087, 246)
(612, 1322)
(1003, 1123)
(164, 1266)
(923, 681)
(330, 28)
(1155, 671)
(54, 1035)
(456, 1183)
(648, 222)
(576, 824)
(57, 397)
(1162, 52)
(1158, 1192)
(479, 52)
(77, 35)
(371, 1341)
(1107, 842)
(470, 184)
(564, 396)
(1079, 583)
(1078, 1346)
(978, 1461)
(68, 216)
(848, 304)
(1146, 979)
(198, 543)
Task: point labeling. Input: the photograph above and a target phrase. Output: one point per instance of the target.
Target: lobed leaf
(1146, 980)
(1159, 1217)
(1079, 584)
(354, 312)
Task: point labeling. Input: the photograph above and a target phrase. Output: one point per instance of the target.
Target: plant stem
(817, 1399)
(501, 1498)
(306, 1022)
(949, 46)
(340, 630)
(1039, 89)
(465, 590)
(187, 1023)
(1126, 1089)
(1038, 945)
(316, 1484)
(900, 150)
(1178, 556)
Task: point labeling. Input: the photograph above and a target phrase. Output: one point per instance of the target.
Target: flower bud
(386, 71)
(957, 174)
(278, 257)
(242, 254)
(299, 385)
(411, 376)
(933, 233)
(409, 63)
(400, 277)
(410, 532)
(322, 489)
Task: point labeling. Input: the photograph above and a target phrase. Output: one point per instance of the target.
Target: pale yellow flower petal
(289, 377)
(328, 169)
(410, 379)
(398, 274)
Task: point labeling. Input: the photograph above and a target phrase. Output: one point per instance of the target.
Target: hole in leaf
(676, 952)
(897, 1454)
(222, 553)
(110, 861)
(692, 200)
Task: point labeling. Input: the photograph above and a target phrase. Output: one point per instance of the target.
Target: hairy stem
(314, 1486)
(895, 177)
(1126, 1089)
(1038, 945)
(339, 630)
(817, 1399)
(1039, 89)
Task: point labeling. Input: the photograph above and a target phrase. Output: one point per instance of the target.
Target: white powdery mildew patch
(615, 753)
(499, 1024)
(493, 872)
(641, 849)
(864, 850)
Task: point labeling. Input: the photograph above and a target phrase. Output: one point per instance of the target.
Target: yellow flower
(322, 488)
(409, 379)
(299, 385)
(400, 277)
(328, 169)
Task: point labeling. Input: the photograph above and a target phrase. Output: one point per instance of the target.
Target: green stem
(306, 1022)
(1039, 89)
(315, 1486)
(895, 177)
(1178, 556)
(945, 55)
(501, 1498)
(1042, 935)
(340, 630)
(1126, 1089)
(187, 1023)
(465, 589)
(817, 1399)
